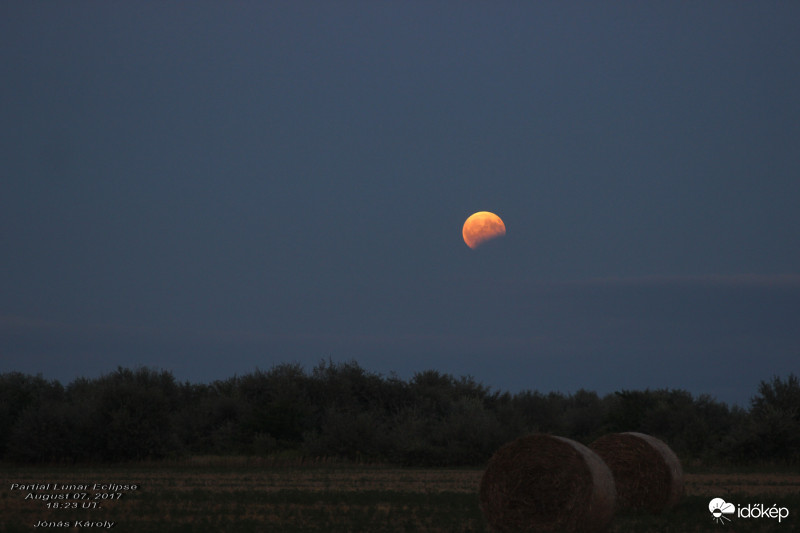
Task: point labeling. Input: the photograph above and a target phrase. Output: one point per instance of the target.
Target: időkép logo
(721, 511)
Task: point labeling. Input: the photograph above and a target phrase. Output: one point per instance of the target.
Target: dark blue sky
(211, 187)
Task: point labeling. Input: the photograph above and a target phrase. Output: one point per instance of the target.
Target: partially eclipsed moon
(481, 227)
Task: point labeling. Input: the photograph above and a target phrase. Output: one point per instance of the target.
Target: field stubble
(243, 495)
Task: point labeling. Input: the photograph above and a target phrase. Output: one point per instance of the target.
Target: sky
(215, 187)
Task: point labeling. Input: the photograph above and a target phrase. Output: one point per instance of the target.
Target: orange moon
(481, 227)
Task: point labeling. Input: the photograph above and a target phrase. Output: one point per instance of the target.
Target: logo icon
(719, 508)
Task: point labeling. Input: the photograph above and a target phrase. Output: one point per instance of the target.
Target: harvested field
(242, 496)
(743, 484)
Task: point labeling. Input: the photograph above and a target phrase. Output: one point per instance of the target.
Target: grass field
(252, 495)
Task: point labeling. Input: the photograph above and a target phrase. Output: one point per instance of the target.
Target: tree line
(341, 410)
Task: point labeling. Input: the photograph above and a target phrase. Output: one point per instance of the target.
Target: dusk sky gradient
(215, 187)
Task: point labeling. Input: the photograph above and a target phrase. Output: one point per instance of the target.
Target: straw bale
(647, 473)
(544, 483)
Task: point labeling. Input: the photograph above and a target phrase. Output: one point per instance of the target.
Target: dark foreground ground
(256, 495)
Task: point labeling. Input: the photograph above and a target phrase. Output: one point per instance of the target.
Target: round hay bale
(547, 483)
(646, 471)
